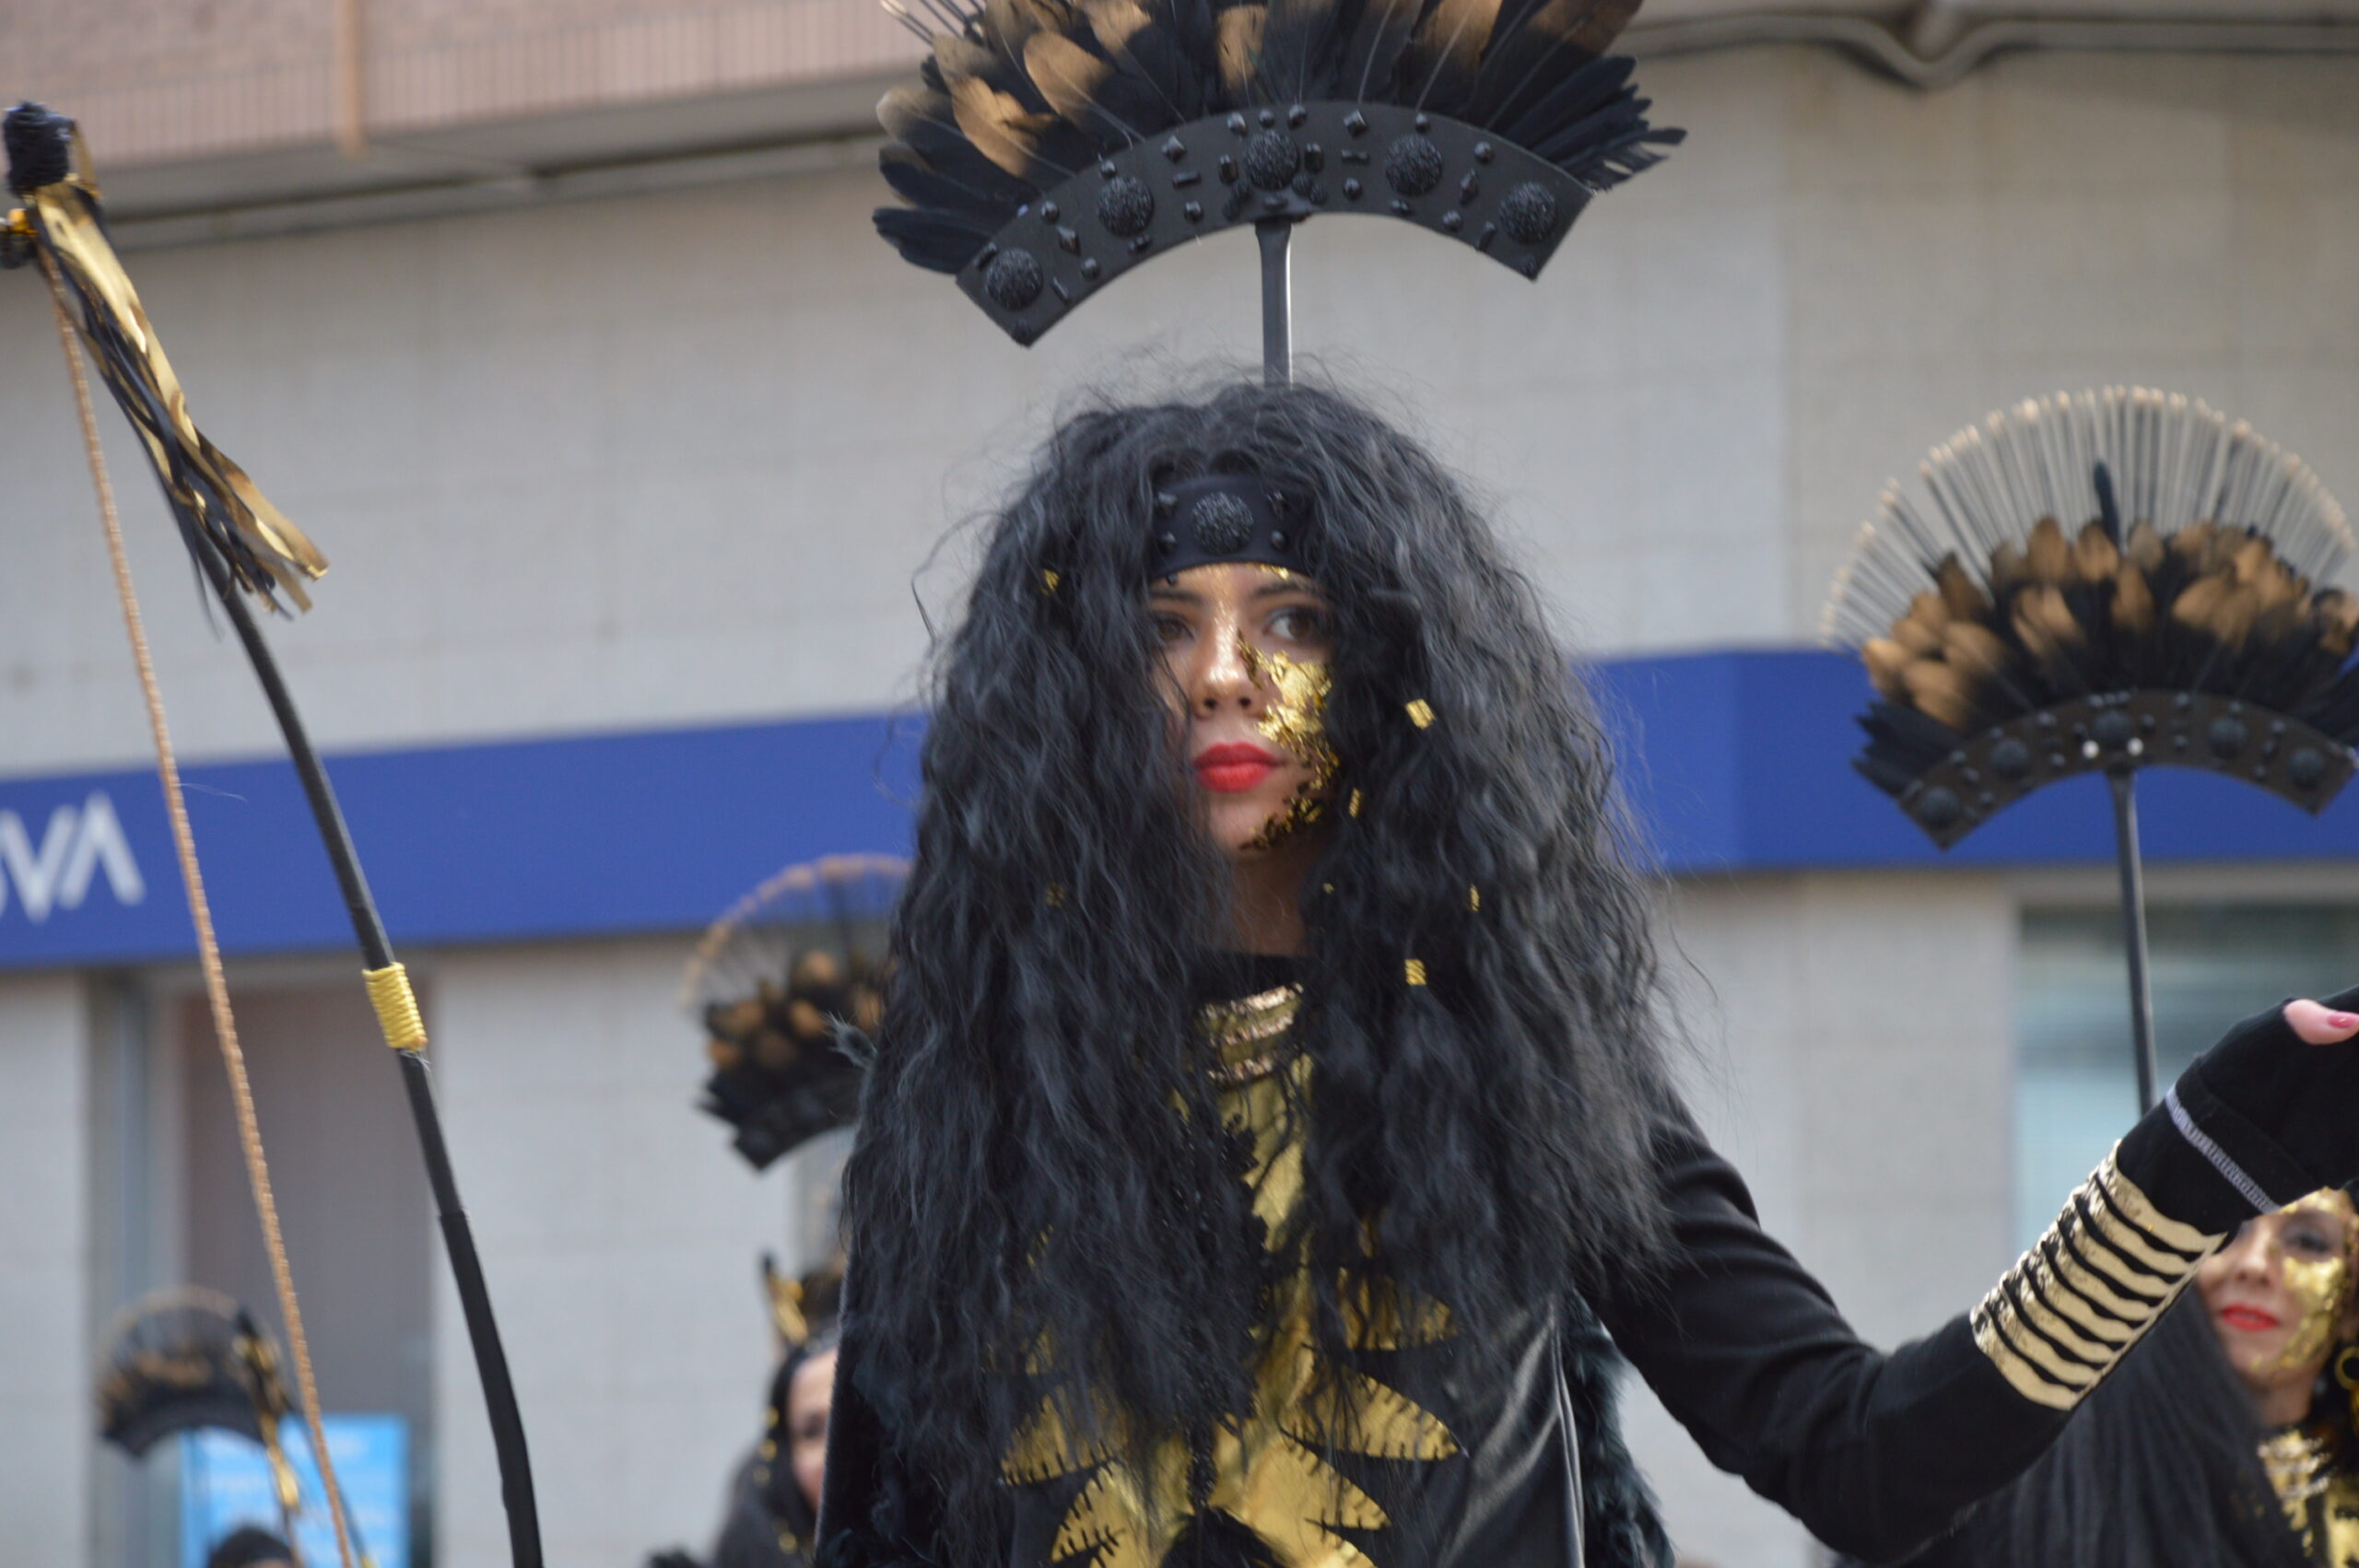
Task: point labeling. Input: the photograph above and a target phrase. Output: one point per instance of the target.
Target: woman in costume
(1269, 1096)
(2280, 1298)
(774, 1493)
(2225, 1439)
(774, 1500)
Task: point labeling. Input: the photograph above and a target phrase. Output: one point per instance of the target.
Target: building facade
(640, 480)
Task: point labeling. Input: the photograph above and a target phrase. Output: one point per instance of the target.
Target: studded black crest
(1051, 145)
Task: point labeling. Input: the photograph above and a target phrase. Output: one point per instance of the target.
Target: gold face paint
(1295, 721)
(2320, 1286)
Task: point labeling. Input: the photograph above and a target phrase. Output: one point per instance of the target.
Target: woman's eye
(1299, 622)
(2311, 1242)
(1169, 629)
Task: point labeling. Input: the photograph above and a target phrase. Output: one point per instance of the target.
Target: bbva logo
(78, 842)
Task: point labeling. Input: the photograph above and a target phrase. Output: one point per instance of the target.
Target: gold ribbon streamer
(210, 494)
(208, 950)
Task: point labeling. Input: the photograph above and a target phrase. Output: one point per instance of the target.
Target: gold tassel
(208, 491)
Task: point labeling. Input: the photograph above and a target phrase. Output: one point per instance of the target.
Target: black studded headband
(1226, 519)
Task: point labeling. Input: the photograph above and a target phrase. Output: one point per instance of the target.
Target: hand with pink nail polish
(2319, 1025)
(2267, 1116)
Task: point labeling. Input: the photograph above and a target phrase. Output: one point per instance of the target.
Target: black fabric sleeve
(1878, 1453)
(1874, 1453)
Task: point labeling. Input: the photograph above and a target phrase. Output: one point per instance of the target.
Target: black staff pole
(389, 990)
(1277, 301)
(2133, 930)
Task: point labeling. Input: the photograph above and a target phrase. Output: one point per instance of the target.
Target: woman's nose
(1223, 679)
(2252, 1257)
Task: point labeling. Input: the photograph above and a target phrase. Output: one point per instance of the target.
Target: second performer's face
(1246, 648)
(2279, 1293)
(810, 1393)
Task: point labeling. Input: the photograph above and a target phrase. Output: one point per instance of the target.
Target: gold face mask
(1295, 721)
(2320, 1286)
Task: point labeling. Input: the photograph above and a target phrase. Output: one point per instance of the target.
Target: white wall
(46, 1388)
(620, 1236)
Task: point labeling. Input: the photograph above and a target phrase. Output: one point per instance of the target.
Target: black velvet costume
(1875, 1452)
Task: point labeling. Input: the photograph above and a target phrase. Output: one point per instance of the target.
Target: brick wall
(162, 80)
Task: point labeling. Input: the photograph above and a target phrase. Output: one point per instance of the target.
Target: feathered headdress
(803, 1309)
(188, 1360)
(2097, 583)
(179, 1360)
(774, 984)
(1051, 145)
(2108, 580)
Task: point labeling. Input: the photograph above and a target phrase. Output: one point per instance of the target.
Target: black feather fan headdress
(182, 1361)
(2024, 622)
(1052, 145)
(775, 984)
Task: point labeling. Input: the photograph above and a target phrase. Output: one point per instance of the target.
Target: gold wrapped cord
(396, 1007)
(2057, 1321)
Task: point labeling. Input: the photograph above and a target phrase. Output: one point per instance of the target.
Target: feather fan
(183, 1360)
(2095, 582)
(776, 983)
(1051, 145)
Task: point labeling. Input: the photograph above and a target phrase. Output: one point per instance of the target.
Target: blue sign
(1734, 761)
(515, 841)
(225, 1483)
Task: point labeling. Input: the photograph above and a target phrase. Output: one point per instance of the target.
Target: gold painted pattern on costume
(2318, 1492)
(1269, 1474)
(2057, 1321)
(1234, 1027)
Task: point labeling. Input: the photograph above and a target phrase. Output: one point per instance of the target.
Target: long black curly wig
(1043, 1185)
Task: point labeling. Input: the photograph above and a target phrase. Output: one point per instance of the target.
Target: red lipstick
(1233, 768)
(2251, 1319)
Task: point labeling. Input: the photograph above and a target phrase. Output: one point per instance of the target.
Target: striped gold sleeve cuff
(2057, 1321)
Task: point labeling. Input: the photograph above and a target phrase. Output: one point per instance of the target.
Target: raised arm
(1875, 1452)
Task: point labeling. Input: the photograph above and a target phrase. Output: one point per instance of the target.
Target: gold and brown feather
(2100, 580)
(775, 983)
(222, 516)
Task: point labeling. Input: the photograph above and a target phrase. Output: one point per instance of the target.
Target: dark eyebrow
(1289, 585)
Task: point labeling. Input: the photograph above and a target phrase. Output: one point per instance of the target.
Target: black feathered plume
(219, 510)
(2101, 581)
(775, 984)
(182, 1361)
(1051, 145)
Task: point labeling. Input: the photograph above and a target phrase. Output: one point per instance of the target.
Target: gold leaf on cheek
(1295, 718)
(2320, 1288)
(1295, 721)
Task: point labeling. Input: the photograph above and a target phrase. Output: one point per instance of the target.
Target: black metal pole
(1278, 301)
(457, 1237)
(2133, 931)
